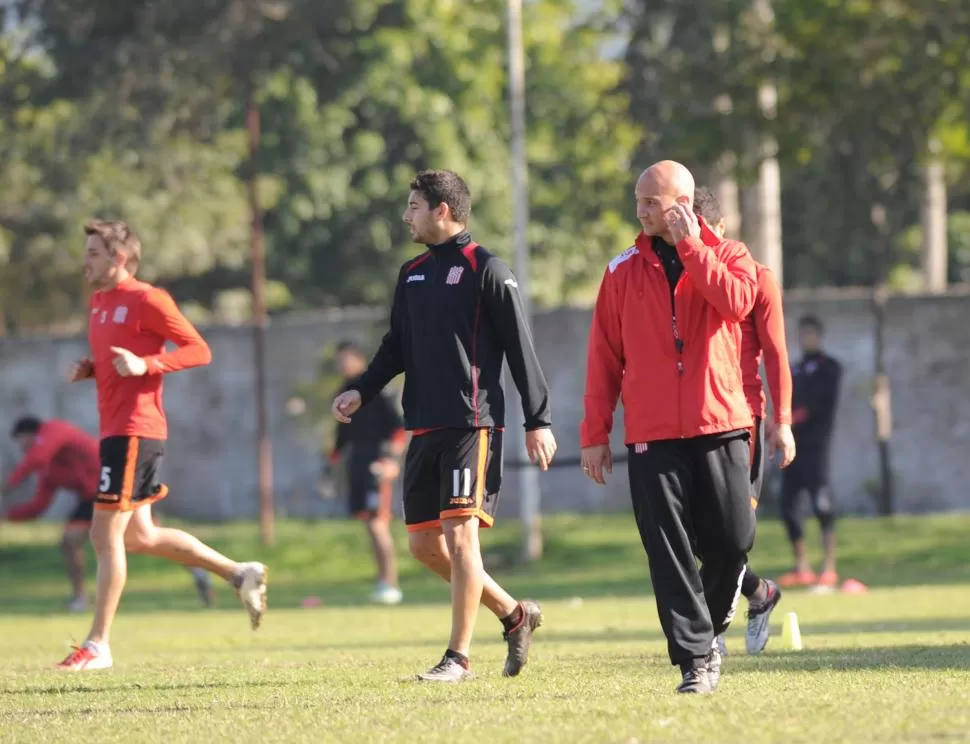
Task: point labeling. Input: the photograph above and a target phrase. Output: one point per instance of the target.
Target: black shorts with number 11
(451, 473)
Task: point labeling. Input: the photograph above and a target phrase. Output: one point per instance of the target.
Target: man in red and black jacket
(666, 335)
(762, 339)
(371, 445)
(456, 317)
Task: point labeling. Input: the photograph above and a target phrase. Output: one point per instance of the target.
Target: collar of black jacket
(459, 241)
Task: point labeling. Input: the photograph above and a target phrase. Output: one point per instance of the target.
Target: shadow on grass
(943, 657)
(153, 687)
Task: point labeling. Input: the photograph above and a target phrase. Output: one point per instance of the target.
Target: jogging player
(64, 457)
(376, 439)
(816, 381)
(129, 324)
(666, 335)
(762, 337)
(456, 316)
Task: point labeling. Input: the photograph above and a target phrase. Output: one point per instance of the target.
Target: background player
(762, 337)
(128, 326)
(376, 439)
(457, 316)
(817, 378)
(64, 457)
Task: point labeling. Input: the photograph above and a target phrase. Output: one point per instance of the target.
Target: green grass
(890, 666)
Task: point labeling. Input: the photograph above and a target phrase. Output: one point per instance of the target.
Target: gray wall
(210, 463)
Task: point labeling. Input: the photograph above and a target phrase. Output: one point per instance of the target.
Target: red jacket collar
(644, 242)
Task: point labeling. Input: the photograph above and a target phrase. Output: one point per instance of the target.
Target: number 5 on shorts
(105, 482)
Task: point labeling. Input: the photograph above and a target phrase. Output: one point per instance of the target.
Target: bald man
(666, 336)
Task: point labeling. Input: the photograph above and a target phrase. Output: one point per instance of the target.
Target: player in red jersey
(762, 339)
(129, 324)
(64, 457)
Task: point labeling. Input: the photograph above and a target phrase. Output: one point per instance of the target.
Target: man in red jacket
(666, 335)
(762, 338)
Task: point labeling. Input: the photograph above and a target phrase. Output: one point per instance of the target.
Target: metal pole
(529, 494)
(264, 452)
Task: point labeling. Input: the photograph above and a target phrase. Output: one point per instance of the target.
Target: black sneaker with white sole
(519, 638)
(446, 670)
(696, 681)
(757, 634)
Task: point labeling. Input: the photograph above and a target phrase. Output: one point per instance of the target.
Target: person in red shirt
(762, 338)
(666, 336)
(64, 457)
(129, 324)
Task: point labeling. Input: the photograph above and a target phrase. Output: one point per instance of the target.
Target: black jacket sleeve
(388, 362)
(503, 306)
(826, 396)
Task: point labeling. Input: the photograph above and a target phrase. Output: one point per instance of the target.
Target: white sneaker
(88, 657)
(388, 595)
(250, 585)
(78, 604)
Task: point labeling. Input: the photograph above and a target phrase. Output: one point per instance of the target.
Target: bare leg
(143, 536)
(461, 537)
(108, 537)
(72, 548)
(429, 547)
(382, 544)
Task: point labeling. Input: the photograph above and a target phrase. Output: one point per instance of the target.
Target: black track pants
(687, 494)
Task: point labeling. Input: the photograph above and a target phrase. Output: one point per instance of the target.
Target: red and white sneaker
(88, 657)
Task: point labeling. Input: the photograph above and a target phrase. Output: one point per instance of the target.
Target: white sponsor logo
(625, 256)
(415, 278)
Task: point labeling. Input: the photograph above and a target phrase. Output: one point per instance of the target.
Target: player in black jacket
(456, 316)
(371, 445)
(815, 391)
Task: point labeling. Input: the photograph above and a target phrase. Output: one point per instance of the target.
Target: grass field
(889, 666)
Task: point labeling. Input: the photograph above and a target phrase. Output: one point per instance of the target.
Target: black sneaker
(519, 638)
(713, 664)
(696, 681)
(757, 634)
(446, 670)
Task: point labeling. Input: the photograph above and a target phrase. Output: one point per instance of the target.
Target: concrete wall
(211, 455)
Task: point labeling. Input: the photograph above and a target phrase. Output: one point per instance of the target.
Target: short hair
(811, 321)
(707, 206)
(445, 187)
(118, 237)
(351, 347)
(25, 425)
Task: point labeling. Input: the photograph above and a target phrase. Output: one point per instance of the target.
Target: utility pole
(529, 493)
(264, 452)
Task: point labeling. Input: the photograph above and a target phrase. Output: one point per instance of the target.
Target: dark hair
(25, 425)
(707, 206)
(811, 321)
(117, 238)
(445, 187)
(352, 347)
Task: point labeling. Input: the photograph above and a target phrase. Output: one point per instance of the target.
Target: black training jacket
(456, 315)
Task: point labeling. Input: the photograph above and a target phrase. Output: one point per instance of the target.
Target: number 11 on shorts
(461, 482)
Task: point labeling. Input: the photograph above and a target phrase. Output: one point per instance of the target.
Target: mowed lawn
(889, 666)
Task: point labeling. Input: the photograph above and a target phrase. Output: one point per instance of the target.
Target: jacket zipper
(679, 347)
